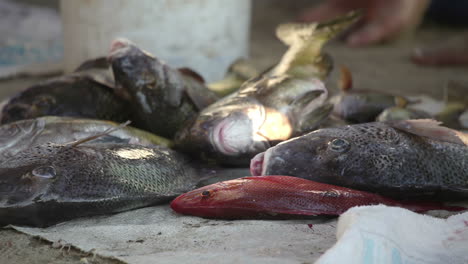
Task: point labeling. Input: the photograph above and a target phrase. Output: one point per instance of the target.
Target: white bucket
(205, 35)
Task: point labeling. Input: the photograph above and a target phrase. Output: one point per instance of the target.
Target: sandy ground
(384, 67)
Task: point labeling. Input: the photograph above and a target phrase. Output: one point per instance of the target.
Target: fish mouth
(231, 137)
(118, 47)
(256, 164)
(259, 163)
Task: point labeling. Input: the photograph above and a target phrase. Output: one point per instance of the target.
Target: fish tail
(293, 33)
(305, 40)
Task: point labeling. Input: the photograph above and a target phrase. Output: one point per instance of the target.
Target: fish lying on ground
(281, 197)
(401, 159)
(456, 103)
(51, 183)
(285, 101)
(359, 106)
(24, 134)
(72, 95)
(401, 112)
(164, 98)
(239, 72)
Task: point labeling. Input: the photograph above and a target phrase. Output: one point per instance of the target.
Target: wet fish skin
(281, 197)
(163, 97)
(262, 113)
(51, 183)
(384, 158)
(69, 95)
(24, 134)
(286, 100)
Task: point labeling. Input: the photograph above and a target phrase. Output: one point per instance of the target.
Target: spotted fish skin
(373, 157)
(52, 183)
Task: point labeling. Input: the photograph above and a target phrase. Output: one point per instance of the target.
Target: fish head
(227, 132)
(224, 199)
(321, 155)
(15, 137)
(27, 176)
(133, 67)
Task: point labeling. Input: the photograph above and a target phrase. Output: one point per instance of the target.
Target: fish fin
(189, 72)
(307, 98)
(400, 101)
(430, 128)
(107, 132)
(314, 119)
(96, 63)
(305, 41)
(199, 94)
(345, 83)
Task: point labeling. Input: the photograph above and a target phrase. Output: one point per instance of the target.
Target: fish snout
(256, 164)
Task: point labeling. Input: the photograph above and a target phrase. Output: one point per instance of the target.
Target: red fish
(281, 197)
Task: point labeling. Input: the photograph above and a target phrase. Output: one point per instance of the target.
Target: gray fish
(51, 183)
(358, 106)
(401, 112)
(402, 159)
(164, 98)
(24, 134)
(285, 101)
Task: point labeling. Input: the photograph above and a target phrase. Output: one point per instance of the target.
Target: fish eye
(46, 172)
(339, 145)
(206, 194)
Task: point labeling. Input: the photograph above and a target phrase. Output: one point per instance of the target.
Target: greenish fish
(24, 134)
(285, 101)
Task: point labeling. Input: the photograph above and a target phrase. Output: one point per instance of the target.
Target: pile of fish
(64, 154)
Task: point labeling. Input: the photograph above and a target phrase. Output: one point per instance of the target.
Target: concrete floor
(384, 67)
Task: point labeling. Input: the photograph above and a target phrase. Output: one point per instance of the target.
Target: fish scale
(60, 182)
(281, 197)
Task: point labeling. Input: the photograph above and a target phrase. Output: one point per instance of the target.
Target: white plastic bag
(381, 234)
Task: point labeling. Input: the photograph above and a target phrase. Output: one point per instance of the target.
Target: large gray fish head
(228, 133)
(27, 176)
(329, 155)
(17, 136)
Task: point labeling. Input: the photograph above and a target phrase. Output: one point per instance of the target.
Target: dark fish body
(51, 183)
(281, 197)
(356, 107)
(164, 98)
(24, 134)
(403, 159)
(72, 95)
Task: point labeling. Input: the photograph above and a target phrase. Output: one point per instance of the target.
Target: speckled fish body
(402, 159)
(281, 197)
(70, 95)
(164, 98)
(51, 183)
(24, 134)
